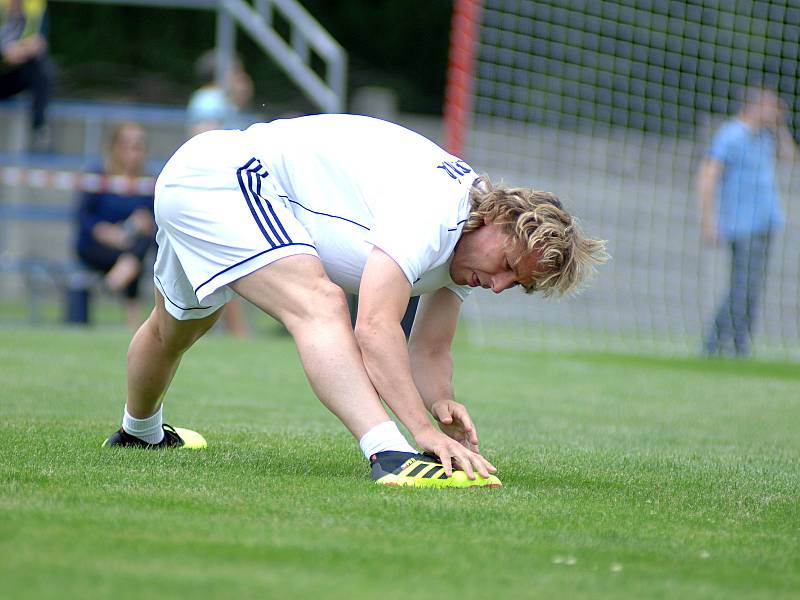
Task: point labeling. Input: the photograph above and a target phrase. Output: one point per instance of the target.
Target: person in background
(740, 207)
(24, 64)
(117, 230)
(214, 107)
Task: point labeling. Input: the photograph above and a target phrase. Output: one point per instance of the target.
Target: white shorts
(220, 216)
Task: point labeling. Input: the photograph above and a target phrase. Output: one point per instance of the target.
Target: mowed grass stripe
(625, 477)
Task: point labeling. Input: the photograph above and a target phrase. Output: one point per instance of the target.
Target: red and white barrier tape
(77, 181)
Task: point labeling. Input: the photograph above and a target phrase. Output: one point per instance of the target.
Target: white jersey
(356, 182)
(333, 186)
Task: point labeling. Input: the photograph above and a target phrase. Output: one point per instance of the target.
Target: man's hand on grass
(453, 453)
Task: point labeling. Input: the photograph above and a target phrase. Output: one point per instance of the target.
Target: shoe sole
(458, 481)
(191, 439)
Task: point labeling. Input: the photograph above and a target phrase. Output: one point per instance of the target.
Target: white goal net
(612, 106)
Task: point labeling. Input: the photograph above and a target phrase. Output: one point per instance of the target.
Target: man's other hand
(454, 420)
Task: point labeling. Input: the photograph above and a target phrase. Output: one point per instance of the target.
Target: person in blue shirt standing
(116, 229)
(740, 207)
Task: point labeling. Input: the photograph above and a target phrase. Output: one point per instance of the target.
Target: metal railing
(306, 39)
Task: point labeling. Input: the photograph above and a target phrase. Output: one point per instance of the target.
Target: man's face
(768, 108)
(485, 258)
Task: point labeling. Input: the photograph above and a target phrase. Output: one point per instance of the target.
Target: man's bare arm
(708, 178)
(383, 298)
(432, 364)
(429, 345)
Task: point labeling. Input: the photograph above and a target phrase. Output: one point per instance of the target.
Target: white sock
(382, 437)
(148, 430)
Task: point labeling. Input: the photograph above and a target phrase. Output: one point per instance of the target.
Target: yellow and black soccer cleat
(422, 470)
(174, 437)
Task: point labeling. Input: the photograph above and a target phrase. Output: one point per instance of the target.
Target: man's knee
(327, 301)
(324, 304)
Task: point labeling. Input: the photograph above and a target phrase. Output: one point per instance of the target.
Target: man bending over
(291, 215)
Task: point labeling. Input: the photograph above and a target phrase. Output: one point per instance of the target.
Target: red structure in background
(460, 73)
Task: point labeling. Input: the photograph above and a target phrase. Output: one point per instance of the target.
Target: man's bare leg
(155, 353)
(133, 313)
(297, 292)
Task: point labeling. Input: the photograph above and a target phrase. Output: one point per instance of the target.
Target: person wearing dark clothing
(24, 64)
(117, 230)
(136, 235)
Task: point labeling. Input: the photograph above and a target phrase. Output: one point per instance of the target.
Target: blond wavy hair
(538, 223)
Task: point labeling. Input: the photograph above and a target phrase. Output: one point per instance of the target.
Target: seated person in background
(23, 60)
(116, 230)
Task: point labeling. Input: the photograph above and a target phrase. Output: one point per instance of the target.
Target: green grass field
(625, 477)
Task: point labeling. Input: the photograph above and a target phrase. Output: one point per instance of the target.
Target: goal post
(460, 73)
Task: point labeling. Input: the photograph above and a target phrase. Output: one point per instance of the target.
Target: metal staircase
(307, 39)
